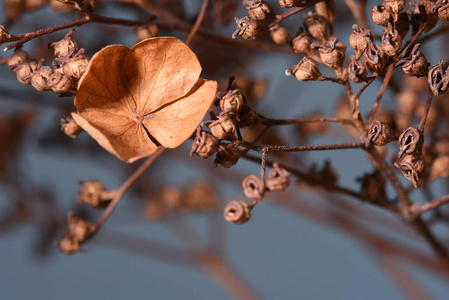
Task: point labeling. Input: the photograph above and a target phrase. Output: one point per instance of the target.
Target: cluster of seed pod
(69, 65)
(236, 112)
(79, 231)
(254, 187)
(411, 159)
(199, 196)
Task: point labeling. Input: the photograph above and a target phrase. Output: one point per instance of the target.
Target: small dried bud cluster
(305, 70)
(79, 231)
(316, 26)
(411, 163)
(223, 126)
(94, 193)
(278, 179)
(199, 196)
(332, 54)
(359, 40)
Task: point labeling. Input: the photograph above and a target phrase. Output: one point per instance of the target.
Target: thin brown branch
(382, 90)
(198, 22)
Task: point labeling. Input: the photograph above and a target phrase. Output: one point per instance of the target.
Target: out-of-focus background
(302, 243)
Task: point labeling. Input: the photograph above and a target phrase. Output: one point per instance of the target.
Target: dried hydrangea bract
(131, 101)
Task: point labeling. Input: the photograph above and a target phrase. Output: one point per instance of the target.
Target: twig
(419, 209)
(198, 22)
(384, 86)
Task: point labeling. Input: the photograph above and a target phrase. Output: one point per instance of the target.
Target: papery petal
(175, 122)
(159, 71)
(121, 136)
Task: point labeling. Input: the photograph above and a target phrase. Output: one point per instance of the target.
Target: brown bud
(70, 128)
(247, 29)
(204, 144)
(4, 35)
(414, 63)
(403, 24)
(381, 16)
(25, 70)
(68, 245)
(92, 193)
(79, 228)
(305, 70)
(75, 66)
(19, 56)
(356, 71)
(394, 7)
(380, 134)
(301, 44)
(223, 126)
(248, 117)
(412, 167)
(258, 10)
(291, 3)
(438, 79)
(39, 80)
(391, 41)
(326, 9)
(442, 9)
(359, 40)
(227, 156)
(147, 31)
(375, 58)
(59, 82)
(332, 53)
(65, 47)
(253, 187)
(278, 179)
(316, 26)
(231, 100)
(280, 35)
(237, 212)
(410, 141)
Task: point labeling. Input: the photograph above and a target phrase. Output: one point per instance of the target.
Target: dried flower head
(280, 35)
(391, 41)
(258, 10)
(316, 26)
(253, 187)
(93, 193)
(227, 155)
(19, 56)
(414, 63)
(247, 28)
(356, 71)
(223, 126)
(326, 9)
(301, 44)
(359, 40)
(65, 47)
(410, 141)
(204, 144)
(278, 179)
(237, 212)
(68, 244)
(381, 16)
(394, 7)
(40, 78)
(133, 100)
(375, 58)
(305, 70)
(438, 78)
(413, 168)
(332, 53)
(231, 100)
(372, 186)
(380, 134)
(80, 230)
(442, 9)
(25, 70)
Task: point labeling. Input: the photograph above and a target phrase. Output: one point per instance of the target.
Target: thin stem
(292, 12)
(419, 209)
(362, 89)
(278, 122)
(333, 79)
(354, 10)
(277, 148)
(263, 164)
(126, 185)
(198, 22)
(422, 123)
(383, 88)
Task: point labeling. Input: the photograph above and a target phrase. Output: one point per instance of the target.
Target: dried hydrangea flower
(231, 100)
(70, 128)
(227, 155)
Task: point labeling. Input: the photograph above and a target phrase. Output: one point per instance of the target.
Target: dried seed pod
(291, 3)
(391, 41)
(278, 179)
(316, 26)
(39, 80)
(68, 245)
(359, 40)
(326, 9)
(413, 168)
(65, 47)
(247, 29)
(356, 71)
(248, 117)
(394, 7)
(305, 70)
(59, 82)
(223, 126)
(280, 35)
(442, 9)
(440, 167)
(332, 53)
(301, 44)
(227, 155)
(231, 100)
(25, 70)
(258, 10)
(79, 228)
(410, 141)
(372, 187)
(414, 63)
(375, 58)
(253, 187)
(204, 144)
(75, 66)
(70, 128)
(91, 193)
(147, 31)
(237, 212)
(19, 56)
(4, 35)
(422, 17)
(381, 16)
(403, 24)
(438, 79)
(380, 134)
